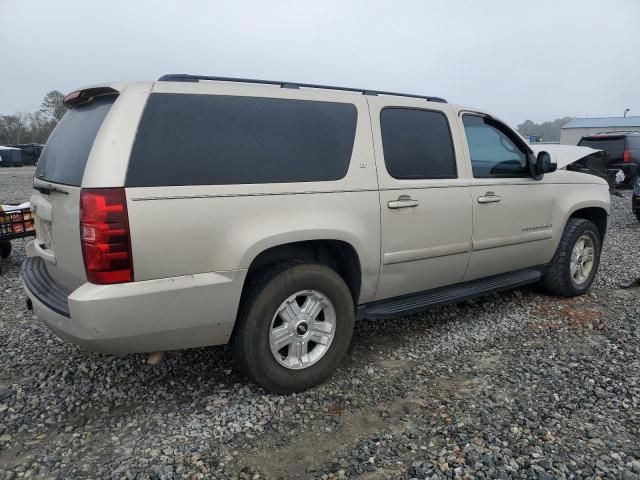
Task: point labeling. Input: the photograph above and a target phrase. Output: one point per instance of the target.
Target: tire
(5, 248)
(558, 278)
(283, 371)
(638, 215)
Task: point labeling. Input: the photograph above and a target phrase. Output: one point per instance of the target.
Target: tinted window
(417, 144)
(221, 140)
(65, 155)
(614, 144)
(633, 142)
(493, 153)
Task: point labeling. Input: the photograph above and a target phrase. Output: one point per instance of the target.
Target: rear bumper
(37, 281)
(153, 315)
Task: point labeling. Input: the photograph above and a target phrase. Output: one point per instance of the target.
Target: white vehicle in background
(297, 209)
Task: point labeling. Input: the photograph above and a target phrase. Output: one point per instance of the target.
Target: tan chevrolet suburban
(196, 211)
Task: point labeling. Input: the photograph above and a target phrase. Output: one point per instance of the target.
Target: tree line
(546, 131)
(33, 127)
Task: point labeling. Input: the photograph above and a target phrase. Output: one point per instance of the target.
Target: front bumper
(152, 315)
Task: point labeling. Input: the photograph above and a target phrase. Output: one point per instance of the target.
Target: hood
(563, 155)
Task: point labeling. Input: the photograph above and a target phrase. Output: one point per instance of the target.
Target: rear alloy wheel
(302, 329)
(294, 327)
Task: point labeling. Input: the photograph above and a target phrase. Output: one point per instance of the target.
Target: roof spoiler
(81, 97)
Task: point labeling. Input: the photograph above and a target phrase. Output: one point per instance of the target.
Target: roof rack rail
(183, 77)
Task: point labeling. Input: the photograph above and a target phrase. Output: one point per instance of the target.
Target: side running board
(416, 302)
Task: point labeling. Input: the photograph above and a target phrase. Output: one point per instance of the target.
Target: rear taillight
(626, 157)
(104, 234)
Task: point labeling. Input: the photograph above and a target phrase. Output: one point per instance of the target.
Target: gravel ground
(515, 385)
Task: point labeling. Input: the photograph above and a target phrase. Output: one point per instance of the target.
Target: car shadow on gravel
(188, 378)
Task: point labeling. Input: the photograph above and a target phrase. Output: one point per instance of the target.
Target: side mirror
(544, 164)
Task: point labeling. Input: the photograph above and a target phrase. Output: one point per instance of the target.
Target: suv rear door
(424, 196)
(58, 179)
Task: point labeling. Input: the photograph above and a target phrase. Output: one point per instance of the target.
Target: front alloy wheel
(575, 262)
(582, 258)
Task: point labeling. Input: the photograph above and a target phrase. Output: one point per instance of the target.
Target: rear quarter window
(220, 140)
(65, 155)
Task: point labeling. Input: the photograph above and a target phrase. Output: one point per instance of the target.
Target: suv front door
(424, 195)
(512, 212)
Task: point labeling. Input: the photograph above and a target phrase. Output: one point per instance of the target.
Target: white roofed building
(572, 132)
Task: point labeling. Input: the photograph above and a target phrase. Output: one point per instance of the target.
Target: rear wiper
(48, 189)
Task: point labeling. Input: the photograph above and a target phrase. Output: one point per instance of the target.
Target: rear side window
(417, 144)
(65, 155)
(222, 140)
(614, 144)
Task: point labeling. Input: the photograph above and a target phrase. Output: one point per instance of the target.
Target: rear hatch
(614, 145)
(58, 178)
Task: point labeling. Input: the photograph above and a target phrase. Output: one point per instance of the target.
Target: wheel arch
(595, 214)
(591, 204)
(338, 254)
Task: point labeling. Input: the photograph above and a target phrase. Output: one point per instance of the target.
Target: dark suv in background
(623, 150)
(635, 198)
(30, 152)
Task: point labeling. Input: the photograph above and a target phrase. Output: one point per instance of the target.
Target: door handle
(403, 201)
(489, 197)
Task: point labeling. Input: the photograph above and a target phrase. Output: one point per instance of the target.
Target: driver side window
(493, 153)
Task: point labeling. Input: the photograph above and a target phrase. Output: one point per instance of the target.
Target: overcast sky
(520, 60)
